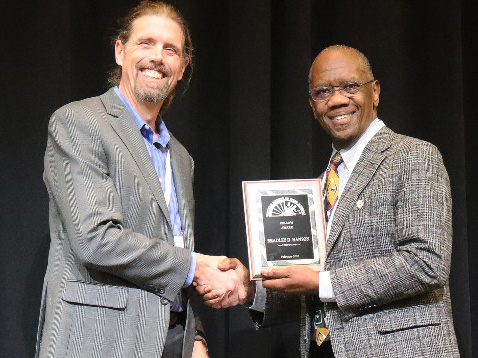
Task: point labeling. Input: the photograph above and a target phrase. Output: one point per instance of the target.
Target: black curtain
(245, 116)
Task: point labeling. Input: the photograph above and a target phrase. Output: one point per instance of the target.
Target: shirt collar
(145, 129)
(351, 155)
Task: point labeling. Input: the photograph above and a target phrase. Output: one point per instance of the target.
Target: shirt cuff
(201, 337)
(192, 271)
(260, 297)
(326, 292)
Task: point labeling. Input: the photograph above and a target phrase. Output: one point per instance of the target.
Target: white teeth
(341, 116)
(153, 74)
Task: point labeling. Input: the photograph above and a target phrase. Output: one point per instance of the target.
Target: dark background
(245, 117)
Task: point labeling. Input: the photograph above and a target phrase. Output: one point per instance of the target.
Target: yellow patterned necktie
(330, 198)
(332, 183)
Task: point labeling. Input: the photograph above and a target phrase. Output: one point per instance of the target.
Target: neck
(148, 112)
(339, 145)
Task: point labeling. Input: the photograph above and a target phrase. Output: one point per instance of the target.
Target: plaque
(285, 224)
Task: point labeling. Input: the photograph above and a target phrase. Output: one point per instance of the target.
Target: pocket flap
(411, 317)
(95, 294)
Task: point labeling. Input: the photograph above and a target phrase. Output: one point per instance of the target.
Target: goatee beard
(152, 94)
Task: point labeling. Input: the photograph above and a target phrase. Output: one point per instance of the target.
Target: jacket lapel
(127, 130)
(372, 156)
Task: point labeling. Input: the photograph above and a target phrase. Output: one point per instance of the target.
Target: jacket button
(164, 301)
(161, 291)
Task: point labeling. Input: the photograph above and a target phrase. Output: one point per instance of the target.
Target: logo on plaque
(287, 229)
(285, 206)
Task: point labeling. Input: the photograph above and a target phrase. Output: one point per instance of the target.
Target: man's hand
(226, 284)
(212, 297)
(199, 350)
(291, 280)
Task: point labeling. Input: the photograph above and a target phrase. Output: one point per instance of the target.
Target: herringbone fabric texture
(111, 270)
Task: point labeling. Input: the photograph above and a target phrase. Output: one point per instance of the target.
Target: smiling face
(151, 59)
(343, 118)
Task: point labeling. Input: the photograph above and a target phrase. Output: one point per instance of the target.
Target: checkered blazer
(112, 268)
(388, 254)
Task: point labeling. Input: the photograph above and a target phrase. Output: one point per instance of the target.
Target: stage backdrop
(245, 117)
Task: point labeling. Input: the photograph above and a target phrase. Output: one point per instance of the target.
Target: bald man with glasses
(384, 291)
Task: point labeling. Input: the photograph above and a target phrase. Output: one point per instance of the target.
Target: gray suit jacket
(112, 268)
(388, 254)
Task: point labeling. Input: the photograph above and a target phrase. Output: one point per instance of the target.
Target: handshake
(222, 282)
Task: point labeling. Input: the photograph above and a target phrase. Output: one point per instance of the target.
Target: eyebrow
(341, 83)
(145, 38)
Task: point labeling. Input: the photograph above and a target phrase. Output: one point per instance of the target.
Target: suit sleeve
(279, 309)
(411, 214)
(86, 198)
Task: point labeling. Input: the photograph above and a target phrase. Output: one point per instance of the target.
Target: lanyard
(178, 240)
(167, 179)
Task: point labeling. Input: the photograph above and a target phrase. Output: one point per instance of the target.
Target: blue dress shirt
(158, 150)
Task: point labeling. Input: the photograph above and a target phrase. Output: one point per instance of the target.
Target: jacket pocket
(98, 295)
(407, 318)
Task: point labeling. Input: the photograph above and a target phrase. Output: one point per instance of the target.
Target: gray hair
(367, 68)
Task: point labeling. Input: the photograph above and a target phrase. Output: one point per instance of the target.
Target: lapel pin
(360, 204)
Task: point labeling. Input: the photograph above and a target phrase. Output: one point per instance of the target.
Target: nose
(157, 53)
(337, 98)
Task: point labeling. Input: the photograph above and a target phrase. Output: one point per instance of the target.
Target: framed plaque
(285, 224)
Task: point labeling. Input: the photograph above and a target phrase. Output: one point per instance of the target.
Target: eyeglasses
(348, 89)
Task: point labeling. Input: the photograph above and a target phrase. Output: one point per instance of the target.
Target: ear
(119, 52)
(376, 94)
(312, 105)
(185, 64)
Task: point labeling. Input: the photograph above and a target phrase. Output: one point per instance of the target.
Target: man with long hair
(121, 262)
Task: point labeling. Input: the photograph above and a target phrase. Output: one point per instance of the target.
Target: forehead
(156, 26)
(335, 67)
